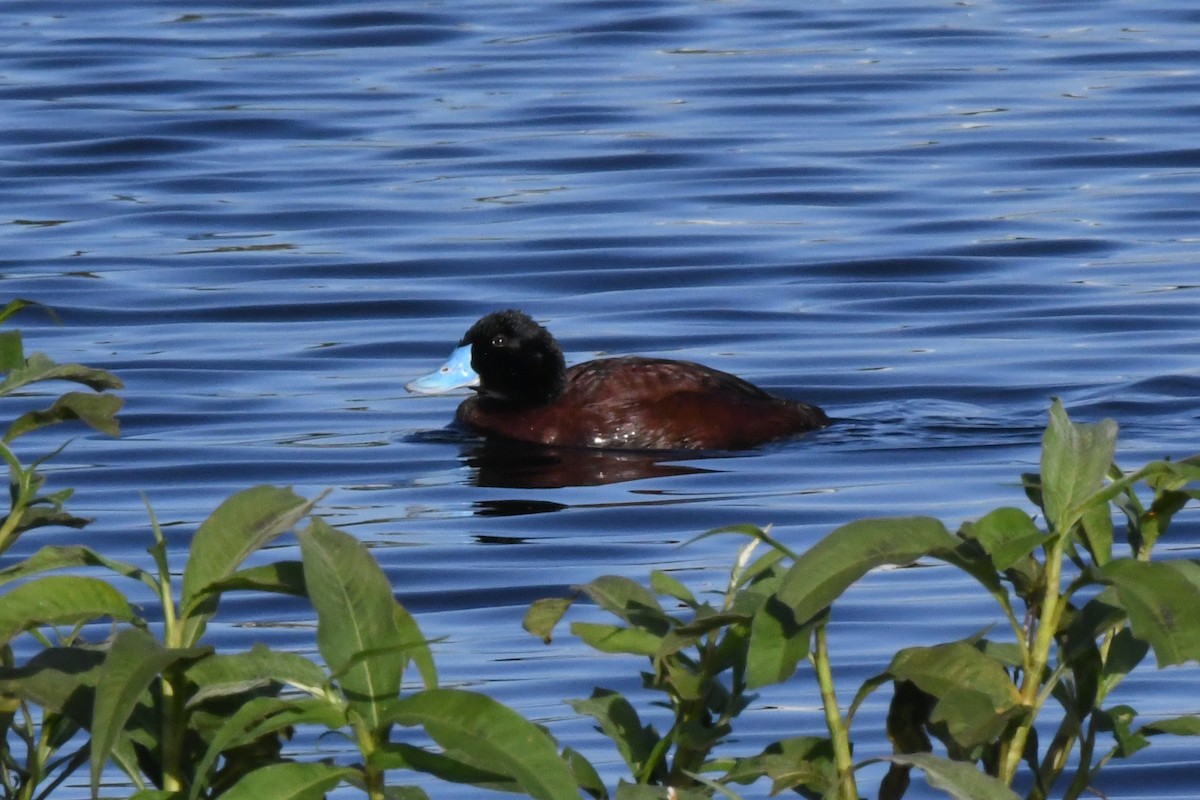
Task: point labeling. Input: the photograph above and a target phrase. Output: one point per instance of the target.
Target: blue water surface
(930, 218)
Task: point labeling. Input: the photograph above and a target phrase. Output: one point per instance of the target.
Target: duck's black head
(517, 360)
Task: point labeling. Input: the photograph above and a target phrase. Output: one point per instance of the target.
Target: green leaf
(54, 557)
(415, 645)
(617, 639)
(357, 626)
(258, 717)
(1178, 726)
(242, 524)
(777, 643)
(59, 679)
(1163, 604)
(975, 696)
(495, 736)
(705, 622)
(1007, 535)
(98, 411)
(12, 352)
(459, 768)
(638, 791)
(18, 304)
(1097, 530)
(585, 774)
(1075, 460)
(619, 721)
(221, 675)
(289, 781)
(630, 601)
(1117, 720)
(665, 584)
(279, 577)
(960, 779)
(1124, 654)
(133, 661)
(38, 367)
(803, 763)
(833, 564)
(544, 614)
(59, 600)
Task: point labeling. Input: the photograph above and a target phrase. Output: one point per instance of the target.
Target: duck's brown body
(525, 392)
(646, 404)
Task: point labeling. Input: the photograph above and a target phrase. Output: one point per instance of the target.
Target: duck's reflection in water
(514, 465)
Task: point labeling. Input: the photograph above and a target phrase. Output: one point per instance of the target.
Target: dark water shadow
(510, 465)
(517, 465)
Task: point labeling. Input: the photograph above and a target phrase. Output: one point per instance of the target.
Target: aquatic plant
(1079, 620)
(182, 720)
(91, 680)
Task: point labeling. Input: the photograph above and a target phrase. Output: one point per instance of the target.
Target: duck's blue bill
(454, 374)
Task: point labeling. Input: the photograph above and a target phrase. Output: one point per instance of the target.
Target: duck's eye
(499, 340)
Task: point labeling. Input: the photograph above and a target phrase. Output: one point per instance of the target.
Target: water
(928, 218)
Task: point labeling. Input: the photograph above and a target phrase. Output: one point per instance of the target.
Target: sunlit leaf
(39, 367)
(1163, 604)
(54, 557)
(617, 639)
(241, 525)
(495, 736)
(357, 630)
(669, 585)
(59, 600)
(961, 780)
(1075, 460)
(290, 780)
(98, 411)
(833, 564)
(1007, 535)
(544, 614)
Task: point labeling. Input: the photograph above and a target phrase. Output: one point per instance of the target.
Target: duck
(524, 392)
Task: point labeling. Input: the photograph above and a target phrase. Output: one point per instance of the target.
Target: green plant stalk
(656, 756)
(174, 713)
(1083, 774)
(838, 735)
(1039, 656)
(21, 477)
(173, 728)
(34, 760)
(373, 777)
